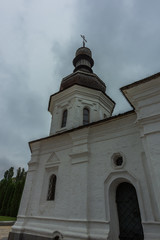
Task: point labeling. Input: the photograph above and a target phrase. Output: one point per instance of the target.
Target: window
(52, 187)
(64, 118)
(118, 160)
(85, 116)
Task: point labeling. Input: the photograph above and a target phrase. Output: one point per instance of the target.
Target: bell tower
(82, 98)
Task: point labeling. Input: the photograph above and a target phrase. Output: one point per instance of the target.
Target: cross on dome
(84, 40)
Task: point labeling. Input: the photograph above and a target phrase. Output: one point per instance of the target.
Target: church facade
(96, 176)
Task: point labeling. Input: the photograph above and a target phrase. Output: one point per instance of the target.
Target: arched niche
(110, 186)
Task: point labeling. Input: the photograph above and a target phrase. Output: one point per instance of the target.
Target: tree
(19, 185)
(10, 200)
(3, 185)
(11, 191)
(9, 174)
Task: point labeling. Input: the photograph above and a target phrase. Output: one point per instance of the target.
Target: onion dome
(83, 74)
(83, 60)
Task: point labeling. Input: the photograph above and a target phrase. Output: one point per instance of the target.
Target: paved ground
(4, 231)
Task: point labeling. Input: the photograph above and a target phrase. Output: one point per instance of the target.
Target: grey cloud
(37, 46)
(124, 40)
(5, 164)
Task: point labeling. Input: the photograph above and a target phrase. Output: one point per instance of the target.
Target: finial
(84, 40)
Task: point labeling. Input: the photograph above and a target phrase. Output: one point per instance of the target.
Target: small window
(52, 187)
(118, 161)
(64, 118)
(85, 116)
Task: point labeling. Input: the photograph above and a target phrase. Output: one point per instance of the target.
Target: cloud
(38, 43)
(124, 41)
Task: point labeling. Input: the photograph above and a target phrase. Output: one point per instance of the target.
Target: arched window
(52, 187)
(85, 116)
(130, 225)
(64, 118)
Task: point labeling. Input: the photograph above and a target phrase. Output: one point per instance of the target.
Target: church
(96, 176)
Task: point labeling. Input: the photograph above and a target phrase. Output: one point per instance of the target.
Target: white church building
(96, 176)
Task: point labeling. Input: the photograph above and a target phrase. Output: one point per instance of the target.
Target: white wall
(86, 180)
(75, 99)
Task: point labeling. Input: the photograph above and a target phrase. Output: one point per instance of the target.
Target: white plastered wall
(87, 178)
(86, 182)
(74, 100)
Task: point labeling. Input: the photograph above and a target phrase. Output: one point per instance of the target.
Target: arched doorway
(130, 226)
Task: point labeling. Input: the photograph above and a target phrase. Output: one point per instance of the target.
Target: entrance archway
(130, 226)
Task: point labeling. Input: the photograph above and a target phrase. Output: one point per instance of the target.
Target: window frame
(64, 118)
(51, 188)
(87, 116)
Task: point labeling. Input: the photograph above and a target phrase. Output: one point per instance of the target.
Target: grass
(5, 218)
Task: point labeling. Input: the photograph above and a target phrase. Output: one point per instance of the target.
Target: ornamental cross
(84, 40)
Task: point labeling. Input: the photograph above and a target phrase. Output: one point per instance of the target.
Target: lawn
(5, 218)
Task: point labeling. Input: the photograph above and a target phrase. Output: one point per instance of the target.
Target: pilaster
(79, 174)
(145, 97)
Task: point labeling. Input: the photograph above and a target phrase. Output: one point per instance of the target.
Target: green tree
(4, 192)
(19, 185)
(3, 185)
(11, 191)
(9, 174)
(10, 199)
(7, 194)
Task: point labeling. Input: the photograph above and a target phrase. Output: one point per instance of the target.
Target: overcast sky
(38, 40)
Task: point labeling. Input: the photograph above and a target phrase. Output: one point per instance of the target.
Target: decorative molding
(114, 157)
(32, 166)
(79, 157)
(33, 163)
(53, 161)
(148, 119)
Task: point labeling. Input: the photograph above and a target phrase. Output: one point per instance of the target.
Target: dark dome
(83, 60)
(83, 50)
(83, 74)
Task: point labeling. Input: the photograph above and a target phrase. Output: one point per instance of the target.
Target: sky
(38, 41)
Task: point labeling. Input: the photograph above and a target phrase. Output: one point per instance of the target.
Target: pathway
(4, 232)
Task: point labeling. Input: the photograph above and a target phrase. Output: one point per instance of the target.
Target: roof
(84, 79)
(137, 83)
(144, 80)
